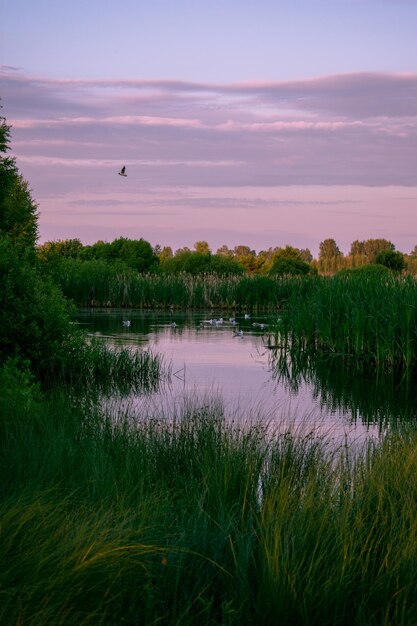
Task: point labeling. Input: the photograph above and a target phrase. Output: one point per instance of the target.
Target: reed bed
(195, 519)
(370, 319)
(88, 364)
(94, 283)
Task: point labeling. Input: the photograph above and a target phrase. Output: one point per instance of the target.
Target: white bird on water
(123, 171)
(238, 333)
(126, 323)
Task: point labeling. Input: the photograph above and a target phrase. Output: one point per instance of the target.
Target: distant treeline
(139, 255)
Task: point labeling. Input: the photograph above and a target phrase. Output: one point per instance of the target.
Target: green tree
(166, 253)
(52, 251)
(35, 316)
(328, 249)
(187, 261)
(221, 264)
(18, 211)
(246, 257)
(138, 254)
(370, 248)
(392, 259)
(35, 326)
(330, 257)
(286, 265)
(182, 250)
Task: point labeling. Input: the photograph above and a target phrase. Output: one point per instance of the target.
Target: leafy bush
(289, 266)
(201, 263)
(36, 317)
(392, 259)
(372, 269)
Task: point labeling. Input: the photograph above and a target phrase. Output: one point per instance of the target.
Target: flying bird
(123, 171)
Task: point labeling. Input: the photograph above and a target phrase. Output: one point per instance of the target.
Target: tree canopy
(392, 259)
(18, 211)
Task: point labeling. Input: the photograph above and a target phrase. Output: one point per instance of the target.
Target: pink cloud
(357, 130)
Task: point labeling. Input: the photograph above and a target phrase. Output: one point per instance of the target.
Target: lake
(209, 358)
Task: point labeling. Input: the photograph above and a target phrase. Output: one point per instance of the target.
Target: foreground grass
(196, 520)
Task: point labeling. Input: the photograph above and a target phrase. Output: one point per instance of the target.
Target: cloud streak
(350, 129)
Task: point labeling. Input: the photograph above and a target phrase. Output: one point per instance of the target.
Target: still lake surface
(209, 359)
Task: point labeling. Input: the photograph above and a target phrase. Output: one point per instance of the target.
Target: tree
(166, 253)
(242, 251)
(246, 257)
(370, 248)
(138, 254)
(286, 265)
(202, 247)
(413, 252)
(63, 248)
(357, 248)
(182, 250)
(373, 246)
(187, 261)
(391, 259)
(287, 253)
(306, 255)
(328, 249)
(221, 264)
(18, 211)
(35, 324)
(35, 328)
(224, 251)
(330, 257)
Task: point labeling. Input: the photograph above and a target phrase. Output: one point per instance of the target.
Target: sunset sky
(261, 123)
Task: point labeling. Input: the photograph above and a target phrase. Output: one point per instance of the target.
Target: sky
(260, 123)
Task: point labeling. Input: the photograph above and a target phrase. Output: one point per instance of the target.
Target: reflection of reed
(371, 394)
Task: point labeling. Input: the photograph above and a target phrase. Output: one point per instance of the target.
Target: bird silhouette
(123, 171)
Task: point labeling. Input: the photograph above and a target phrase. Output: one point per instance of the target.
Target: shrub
(392, 259)
(289, 266)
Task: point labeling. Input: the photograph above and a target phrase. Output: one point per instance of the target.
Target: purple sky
(260, 126)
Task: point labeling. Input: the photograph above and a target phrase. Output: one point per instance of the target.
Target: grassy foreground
(196, 520)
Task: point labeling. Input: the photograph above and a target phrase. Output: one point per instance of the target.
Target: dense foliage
(18, 212)
(294, 267)
(36, 331)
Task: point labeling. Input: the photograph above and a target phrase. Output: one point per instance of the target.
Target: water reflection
(375, 397)
(211, 358)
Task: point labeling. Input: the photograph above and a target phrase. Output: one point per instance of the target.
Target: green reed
(94, 365)
(362, 318)
(194, 519)
(94, 283)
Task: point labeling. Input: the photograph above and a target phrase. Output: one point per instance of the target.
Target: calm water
(211, 359)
